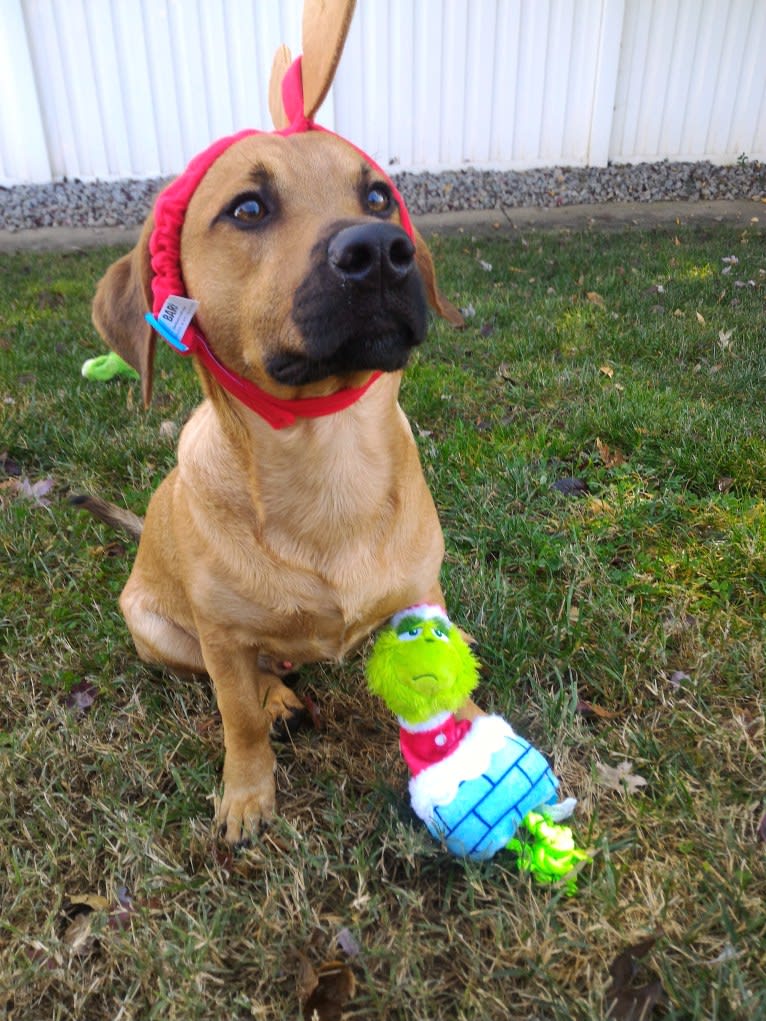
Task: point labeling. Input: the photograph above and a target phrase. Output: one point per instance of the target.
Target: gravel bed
(114, 203)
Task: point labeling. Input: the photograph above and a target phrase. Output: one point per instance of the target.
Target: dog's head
(297, 247)
(293, 247)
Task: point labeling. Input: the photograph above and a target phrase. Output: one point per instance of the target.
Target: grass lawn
(596, 443)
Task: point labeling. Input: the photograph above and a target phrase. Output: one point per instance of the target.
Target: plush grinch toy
(473, 783)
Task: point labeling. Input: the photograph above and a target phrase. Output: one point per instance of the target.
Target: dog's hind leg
(158, 639)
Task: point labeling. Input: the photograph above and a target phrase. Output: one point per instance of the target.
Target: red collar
(279, 412)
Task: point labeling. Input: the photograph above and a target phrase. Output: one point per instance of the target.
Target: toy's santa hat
(421, 611)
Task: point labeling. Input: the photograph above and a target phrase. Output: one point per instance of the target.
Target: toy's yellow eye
(411, 635)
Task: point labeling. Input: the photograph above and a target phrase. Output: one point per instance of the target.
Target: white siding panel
(134, 88)
(399, 98)
(692, 80)
(23, 150)
(745, 136)
(458, 98)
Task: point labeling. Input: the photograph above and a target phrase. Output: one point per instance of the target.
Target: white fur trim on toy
(430, 724)
(437, 785)
(423, 611)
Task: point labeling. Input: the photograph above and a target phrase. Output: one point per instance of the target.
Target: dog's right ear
(123, 296)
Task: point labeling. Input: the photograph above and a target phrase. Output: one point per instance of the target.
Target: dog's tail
(118, 517)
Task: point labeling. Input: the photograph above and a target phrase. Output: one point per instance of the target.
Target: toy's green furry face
(422, 667)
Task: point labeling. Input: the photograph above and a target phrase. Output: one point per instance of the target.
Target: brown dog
(264, 546)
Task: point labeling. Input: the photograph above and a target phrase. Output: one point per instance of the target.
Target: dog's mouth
(361, 307)
(387, 351)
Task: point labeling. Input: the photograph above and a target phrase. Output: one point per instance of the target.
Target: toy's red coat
(423, 748)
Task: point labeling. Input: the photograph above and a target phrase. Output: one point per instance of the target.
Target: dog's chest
(318, 545)
(323, 608)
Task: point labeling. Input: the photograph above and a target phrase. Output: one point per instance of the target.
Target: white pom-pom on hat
(423, 611)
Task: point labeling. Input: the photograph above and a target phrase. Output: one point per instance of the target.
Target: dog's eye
(249, 210)
(379, 199)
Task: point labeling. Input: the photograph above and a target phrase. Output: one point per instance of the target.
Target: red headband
(167, 281)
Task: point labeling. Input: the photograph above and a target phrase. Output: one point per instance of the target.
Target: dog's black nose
(371, 253)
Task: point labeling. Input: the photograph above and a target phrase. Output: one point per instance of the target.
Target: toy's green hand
(106, 367)
(550, 854)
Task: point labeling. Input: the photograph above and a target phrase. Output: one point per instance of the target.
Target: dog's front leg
(249, 700)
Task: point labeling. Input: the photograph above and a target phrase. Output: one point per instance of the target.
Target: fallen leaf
(724, 485)
(590, 710)
(89, 901)
(486, 330)
(606, 370)
(43, 957)
(314, 712)
(730, 260)
(36, 491)
(78, 935)
(208, 724)
(570, 486)
(504, 372)
(700, 318)
(308, 979)
(347, 943)
(611, 457)
(619, 778)
(729, 953)
(8, 465)
(599, 506)
(324, 992)
(50, 299)
(115, 548)
(595, 299)
(626, 1002)
(119, 916)
(468, 312)
(724, 338)
(81, 697)
(168, 429)
(486, 266)
(678, 678)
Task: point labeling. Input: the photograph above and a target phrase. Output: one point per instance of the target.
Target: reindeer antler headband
(297, 90)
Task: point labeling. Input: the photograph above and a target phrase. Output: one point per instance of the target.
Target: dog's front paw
(248, 801)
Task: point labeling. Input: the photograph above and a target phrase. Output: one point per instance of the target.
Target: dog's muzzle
(361, 306)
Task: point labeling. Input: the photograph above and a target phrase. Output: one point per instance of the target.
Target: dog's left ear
(441, 305)
(122, 297)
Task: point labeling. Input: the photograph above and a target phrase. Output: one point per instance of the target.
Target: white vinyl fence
(109, 89)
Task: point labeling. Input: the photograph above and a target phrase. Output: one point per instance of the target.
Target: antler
(325, 27)
(282, 60)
